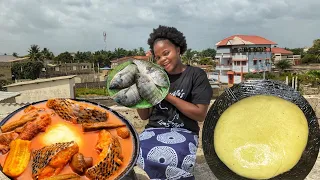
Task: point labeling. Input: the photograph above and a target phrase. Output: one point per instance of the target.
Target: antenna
(104, 39)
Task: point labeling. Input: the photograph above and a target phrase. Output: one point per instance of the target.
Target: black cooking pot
(260, 87)
(134, 134)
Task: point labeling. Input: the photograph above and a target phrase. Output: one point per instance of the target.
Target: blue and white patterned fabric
(168, 153)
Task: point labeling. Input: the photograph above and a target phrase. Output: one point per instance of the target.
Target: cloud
(72, 25)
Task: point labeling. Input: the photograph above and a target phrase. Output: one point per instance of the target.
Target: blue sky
(72, 25)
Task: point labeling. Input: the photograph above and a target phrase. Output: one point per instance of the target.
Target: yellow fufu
(261, 136)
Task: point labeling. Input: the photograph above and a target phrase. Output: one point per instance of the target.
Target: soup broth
(61, 130)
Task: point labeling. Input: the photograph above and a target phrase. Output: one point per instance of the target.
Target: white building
(240, 54)
(43, 89)
(282, 54)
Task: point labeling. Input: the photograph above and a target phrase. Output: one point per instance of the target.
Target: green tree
(310, 58)
(27, 70)
(14, 54)
(120, 52)
(206, 61)
(208, 53)
(3, 82)
(108, 57)
(315, 49)
(47, 54)
(32, 70)
(141, 52)
(34, 53)
(135, 52)
(64, 57)
(79, 57)
(188, 56)
(314, 73)
(283, 64)
(297, 51)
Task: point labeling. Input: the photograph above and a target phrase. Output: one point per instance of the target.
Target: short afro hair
(168, 33)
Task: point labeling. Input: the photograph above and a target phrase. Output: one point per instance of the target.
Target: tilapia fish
(50, 160)
(110, 157)
(147, 89)
(147, 68)
(124, 78)
(76, 112)
(128, 96)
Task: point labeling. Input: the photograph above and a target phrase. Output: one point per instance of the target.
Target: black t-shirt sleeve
(201, 92)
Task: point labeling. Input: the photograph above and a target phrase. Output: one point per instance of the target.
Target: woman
(170, 140)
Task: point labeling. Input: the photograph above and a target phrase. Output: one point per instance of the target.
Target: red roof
(277, 50)
(244, 40)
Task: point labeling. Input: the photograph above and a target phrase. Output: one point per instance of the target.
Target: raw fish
(148, 90)
(158, 76)
(124, 78)
(128, 96)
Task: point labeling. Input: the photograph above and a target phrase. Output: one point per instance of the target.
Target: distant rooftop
(244, 40)
(277, 50)
(105, 68)
(40, 81)
(6, 58)
(19, 59)
(6, 95)
(10, 58)
(146, 58)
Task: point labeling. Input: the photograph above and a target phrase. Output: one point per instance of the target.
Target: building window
(254, 62)
(244, 63)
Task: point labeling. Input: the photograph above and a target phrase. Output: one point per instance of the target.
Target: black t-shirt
(191, 85)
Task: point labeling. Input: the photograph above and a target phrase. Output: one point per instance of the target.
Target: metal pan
(134, 133)
(260, 87)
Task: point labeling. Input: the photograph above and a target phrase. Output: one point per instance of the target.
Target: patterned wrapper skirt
(168, 153)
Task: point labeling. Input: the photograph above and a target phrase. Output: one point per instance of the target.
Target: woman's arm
(196, 112)
(144, 113)
(201, 94)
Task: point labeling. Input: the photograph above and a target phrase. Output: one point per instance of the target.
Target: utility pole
(105, 39)
(296, 83)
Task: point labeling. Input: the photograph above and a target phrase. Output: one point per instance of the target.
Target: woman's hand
(196, 112)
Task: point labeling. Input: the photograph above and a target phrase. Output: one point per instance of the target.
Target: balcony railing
(223, 67)
(224, 55)
(238, 68)
(260, 68)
